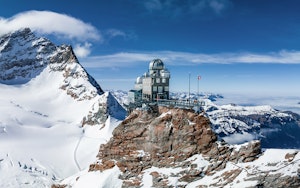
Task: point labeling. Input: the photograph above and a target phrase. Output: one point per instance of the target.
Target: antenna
(198, 78)
(189, 87)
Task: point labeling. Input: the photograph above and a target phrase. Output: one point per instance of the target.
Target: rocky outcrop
(97, 115)
(106, 105)
(167, 139)
(74, 75)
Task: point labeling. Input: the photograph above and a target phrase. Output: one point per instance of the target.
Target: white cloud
(82, 50)
(239, 138)
(63, 26)
(183, 58)
(47, 22)
(115, 33)
(111, 33)
(116, 60)
(280, 101)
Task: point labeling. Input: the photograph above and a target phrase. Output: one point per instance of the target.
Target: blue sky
(237, 46)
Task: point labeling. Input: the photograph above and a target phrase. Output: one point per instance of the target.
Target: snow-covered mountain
(25, 56)
(54, 116)
(237, 124)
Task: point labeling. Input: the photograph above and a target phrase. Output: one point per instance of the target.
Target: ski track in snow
(44, 123)
(75, 153)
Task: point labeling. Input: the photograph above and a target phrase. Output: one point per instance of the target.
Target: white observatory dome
(156, 64)
(139, 80)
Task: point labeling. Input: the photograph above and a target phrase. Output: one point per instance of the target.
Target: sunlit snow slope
(54, 116)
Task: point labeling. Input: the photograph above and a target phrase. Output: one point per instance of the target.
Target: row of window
(163, 80)
(160, 89)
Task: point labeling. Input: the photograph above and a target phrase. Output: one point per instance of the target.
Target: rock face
(74, 75)
(166, 138)
(101, 109)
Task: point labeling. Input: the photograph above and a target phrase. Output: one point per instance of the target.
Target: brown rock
(166, 138)
(58, 186)
(290, 156)
(163, 140)
(247, 153)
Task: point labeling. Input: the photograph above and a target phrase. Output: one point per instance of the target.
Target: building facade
(152, 85)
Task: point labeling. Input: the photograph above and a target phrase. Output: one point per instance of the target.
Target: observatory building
(152, 85)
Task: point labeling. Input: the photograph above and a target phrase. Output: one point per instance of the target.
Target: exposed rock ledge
(167, 138)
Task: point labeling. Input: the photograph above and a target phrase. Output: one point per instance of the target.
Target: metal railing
(168, 103)
(180, 103)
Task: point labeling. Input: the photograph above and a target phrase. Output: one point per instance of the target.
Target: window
(158, 80)
(164, 80)
(155, 88)
(166, 88)
(160, 89)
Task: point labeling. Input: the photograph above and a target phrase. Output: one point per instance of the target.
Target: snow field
(40, 129)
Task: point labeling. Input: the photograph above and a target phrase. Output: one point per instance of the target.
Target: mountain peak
(24, 56)
(76, 81)
(22, 32)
